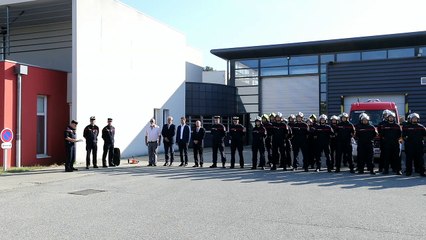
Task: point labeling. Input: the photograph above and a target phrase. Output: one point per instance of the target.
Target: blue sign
(6, 135)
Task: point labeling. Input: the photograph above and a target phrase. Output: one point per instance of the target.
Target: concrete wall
(218, 77)
(125, 64)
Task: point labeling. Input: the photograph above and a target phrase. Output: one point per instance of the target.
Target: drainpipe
(19, 71)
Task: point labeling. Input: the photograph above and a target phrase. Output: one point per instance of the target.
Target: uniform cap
(109, 119)
(216, 116)
(92, 118)
(235, 118)
(74, 121)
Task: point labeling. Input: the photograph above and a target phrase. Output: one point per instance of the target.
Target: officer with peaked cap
(90, 133)
(108, 134)
(70, 140)
(218, 132)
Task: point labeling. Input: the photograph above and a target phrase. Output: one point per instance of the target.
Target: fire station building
(327, 76)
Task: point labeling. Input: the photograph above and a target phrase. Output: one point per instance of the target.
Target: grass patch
(21, 169)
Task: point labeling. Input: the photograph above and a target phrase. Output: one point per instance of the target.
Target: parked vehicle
(374, 108)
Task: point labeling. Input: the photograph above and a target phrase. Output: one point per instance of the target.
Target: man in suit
(183, 134)
(168, 132)
(198, 143)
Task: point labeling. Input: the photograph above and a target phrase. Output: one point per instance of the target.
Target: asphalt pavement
(134, 201)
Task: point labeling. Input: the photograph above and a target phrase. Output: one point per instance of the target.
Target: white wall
(218, 77)
(125, 65)
(194, 63)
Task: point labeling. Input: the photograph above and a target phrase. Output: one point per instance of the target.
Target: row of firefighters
(281, 138)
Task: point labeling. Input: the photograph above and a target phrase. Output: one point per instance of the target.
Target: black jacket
(344, 132)
(218, 133)
(168, 132)
(365, 133)
(108, 133)
(199, 136)
(186, 135)
(91, 133)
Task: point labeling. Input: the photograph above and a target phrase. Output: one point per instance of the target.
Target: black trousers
(278, 152)
(382, 157)
(92, 148)
(414, 153)
(234, 147)
(221, 147)
(108, 149)
(365, 156)
(391, 156)
(168, 148)
(320, 148)
(297, 147)
(198, 152)
(258, 147)
(183, 152)
(344, 150)
(70, 153)
(311, 151)
(268, 145)
(333, 151)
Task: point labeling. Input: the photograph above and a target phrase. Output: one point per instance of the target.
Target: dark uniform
(70, 147)
(268, 140)
(322, 134)
(108, 133)
(91, 133)
(311, 141)
(237, 133)
(288, 145)
(333, 145)
(365, 134)
(413, 135)
(390, 134)
(218, 134)
(281, 132)
(381, 145)
(344, 133)
(258, 145)
(299, 141)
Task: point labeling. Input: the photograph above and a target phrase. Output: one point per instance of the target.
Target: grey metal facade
(391, 76)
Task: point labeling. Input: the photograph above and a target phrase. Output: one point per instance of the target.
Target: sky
(215, 24)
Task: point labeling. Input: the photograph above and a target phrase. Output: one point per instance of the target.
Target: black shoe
(273, 168)
(372, 172)
(352, 171)
(95, 166)
(306, 170)
(201, 165)
(328, 169)
(223, 165)
(337, 170)
(408, 174)
(165, 164)
(186, 164)
(399, 173)
(180, 165)
(232, 166)
(154, 165)
(87, 167)
(111, 165)
(170, 164)
(149, 165)
(196, 165)
(241, 166)
(284, 169)
(68, 170)
(253, 168)
(74, 169)
(213, 166)
(104, 166)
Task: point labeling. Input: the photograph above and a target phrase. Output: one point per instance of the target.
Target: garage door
(290, 95)
(399, 100)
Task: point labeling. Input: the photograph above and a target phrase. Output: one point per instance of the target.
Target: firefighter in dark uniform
(70, 140)
(218, 132)
(312, 122)
(385, 115)
(108, 134)
(300, 131)
(237, 133)
(322, 135)
(390, 134)
(268, 140)
(90, 133)
(258, 144)
(288, 145)
(365, 134)
(413, 134)
(281, 132)
(344, 134)
(333, 142)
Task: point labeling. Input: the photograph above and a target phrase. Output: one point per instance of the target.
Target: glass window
(422, 51)
(401, 53)
(246, 82)
(324, 97)
(276, 71)
(348, 57)
(327, 58)
(166, 114)
(246, 73)
(373, 55)
(323, 68)
(323, 87)
(251, 108)
(304, 60)
(246, 64)
(324, 108)
(249, 99)
(308, 69)
(41, 125)
(247, 90)
(323, 78)
(273, 62)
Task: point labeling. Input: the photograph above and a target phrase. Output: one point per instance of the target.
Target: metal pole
(5, 160)
(7, 49)
(19, 120)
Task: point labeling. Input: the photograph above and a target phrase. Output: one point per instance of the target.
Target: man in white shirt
(152, 140)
